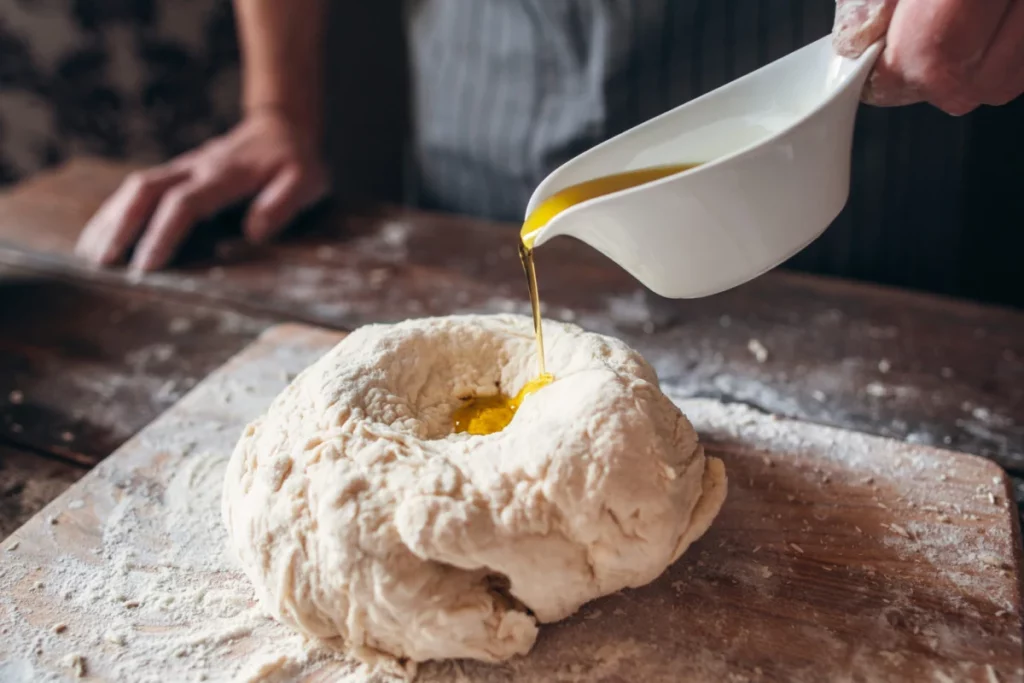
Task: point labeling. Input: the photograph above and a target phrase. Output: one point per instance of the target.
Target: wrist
(303, 123)
(300, 104)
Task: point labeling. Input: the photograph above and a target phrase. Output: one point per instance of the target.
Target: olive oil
(489, 414)
(564, 200)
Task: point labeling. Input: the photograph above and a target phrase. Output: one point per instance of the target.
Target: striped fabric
(506, 90)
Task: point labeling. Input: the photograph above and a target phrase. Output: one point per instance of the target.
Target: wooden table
(89, 357)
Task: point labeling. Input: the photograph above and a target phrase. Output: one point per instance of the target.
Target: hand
(955, 54)
(264, 157)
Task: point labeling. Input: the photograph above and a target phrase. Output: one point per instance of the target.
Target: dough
(359, 516)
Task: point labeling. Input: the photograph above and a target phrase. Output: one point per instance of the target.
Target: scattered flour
(758, 350)
(154, 597)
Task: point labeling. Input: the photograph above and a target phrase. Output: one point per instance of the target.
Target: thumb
(290, 191)
(886, 88)
(859, 24)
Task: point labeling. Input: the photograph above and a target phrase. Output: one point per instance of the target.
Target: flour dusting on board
(955, 552)
(133, 583)
(163, 603)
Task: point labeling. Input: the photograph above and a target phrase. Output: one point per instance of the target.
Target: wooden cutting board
(837, 557)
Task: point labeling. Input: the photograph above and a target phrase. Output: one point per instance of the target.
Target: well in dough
(361, 518)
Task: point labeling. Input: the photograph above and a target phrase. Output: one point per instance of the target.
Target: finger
(886, 88)
(1000, 78)
(936, 46)
(118, 222)
(289, 192)
(859, 24)
(181, 208)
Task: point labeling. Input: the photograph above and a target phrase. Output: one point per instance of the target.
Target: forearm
(282, 58)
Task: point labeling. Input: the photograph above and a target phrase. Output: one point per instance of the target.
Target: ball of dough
(361, 517)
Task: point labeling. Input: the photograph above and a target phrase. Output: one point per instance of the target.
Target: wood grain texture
(911, 366)
(29, 481)
(45, 213)
(837, 556)
(83, 366)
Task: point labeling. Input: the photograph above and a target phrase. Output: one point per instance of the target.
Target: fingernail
(141, 263)
(105, 257)
(85, 250)
(257, 230)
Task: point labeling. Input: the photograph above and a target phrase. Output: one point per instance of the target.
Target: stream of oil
(490, 414)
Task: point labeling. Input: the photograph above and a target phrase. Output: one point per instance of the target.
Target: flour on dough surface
(362, 519)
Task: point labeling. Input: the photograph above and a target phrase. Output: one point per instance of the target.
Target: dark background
(936, 201)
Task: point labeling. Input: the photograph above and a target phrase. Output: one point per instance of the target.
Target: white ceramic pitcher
(776, 149)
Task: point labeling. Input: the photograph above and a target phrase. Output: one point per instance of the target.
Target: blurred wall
(148, 79)
(137, 79)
